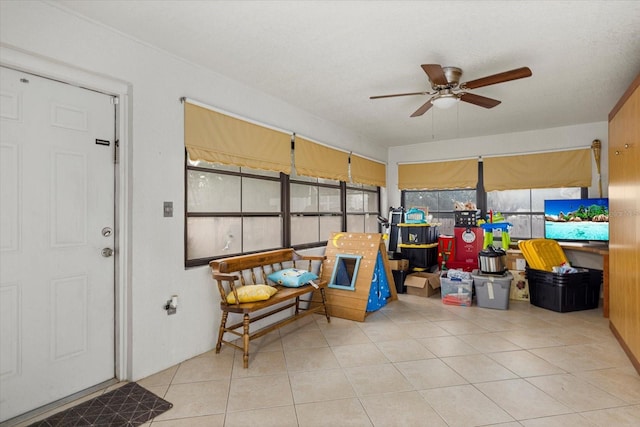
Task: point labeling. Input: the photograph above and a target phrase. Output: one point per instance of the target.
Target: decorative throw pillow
(292, 277)
(252, 293)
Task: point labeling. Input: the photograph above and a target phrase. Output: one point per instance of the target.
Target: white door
(57, 197)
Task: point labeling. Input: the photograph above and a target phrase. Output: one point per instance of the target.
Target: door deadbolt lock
(107, 252)
(106, 232)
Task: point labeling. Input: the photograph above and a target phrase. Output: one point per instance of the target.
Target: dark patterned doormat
(129, 405)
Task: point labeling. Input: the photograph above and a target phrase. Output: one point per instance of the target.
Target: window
(525, 208)
(363, 208)
(231, 210)
(315, 209)
(522, 208)
(440, 204)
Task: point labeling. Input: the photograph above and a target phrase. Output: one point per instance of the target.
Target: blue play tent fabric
(379, 291)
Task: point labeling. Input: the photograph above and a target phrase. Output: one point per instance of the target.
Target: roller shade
(368, 172)
(438, 175)
(319, 161)
(544, 170)
(219, 138)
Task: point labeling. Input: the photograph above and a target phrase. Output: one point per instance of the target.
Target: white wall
(155, 150)
(577, 136)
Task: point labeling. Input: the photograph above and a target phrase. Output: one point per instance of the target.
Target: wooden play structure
(352, 263)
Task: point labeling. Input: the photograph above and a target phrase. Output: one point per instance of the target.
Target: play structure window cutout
(345, 272)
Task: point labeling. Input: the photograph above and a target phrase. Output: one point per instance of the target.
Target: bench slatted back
(250, 262)
(243, 267)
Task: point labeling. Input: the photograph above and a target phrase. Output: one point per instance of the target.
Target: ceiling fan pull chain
(433, 132)
(458, 121)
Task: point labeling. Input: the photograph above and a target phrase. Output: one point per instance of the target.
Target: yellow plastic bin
(542, 254)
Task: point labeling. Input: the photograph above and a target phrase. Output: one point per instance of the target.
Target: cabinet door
(624, 209)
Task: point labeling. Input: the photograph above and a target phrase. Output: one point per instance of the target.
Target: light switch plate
(168, 209)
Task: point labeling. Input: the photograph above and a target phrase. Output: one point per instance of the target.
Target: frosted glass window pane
(371, 202)
(422, 199)
(521, 226)
(438, 201)
(371, 223)
(212, 192)
(304, 198)
(537, 226)
(355, 201)
(260, 195)
(355, 223)
(208, 237)
(328, 225)
(447, 199)
(329, 199)
(538, 196)
(261, 233)
(509, 200)
(305, 229)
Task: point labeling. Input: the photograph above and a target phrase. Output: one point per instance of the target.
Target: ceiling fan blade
(420, 111)
(482, 101)
(518, 73)
(398, 94)
(435, 73)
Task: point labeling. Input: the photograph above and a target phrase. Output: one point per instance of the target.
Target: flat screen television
(577, 220)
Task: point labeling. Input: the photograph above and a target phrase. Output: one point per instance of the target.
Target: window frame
(312, 182)
(284, 214)
(584, 191)
(364, 188)
(482, 201)
(230, 214)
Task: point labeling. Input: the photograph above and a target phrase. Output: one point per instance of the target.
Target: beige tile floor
(416, 362)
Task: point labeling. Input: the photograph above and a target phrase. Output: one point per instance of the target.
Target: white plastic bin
(492, 291)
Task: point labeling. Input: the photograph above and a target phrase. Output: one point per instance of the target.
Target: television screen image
(577, 219)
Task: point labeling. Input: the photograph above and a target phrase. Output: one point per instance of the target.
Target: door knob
(107, 252)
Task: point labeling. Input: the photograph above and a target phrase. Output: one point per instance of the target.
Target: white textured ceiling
(328, 57)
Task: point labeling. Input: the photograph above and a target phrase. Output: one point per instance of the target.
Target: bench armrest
(220, 278)
(225, 276)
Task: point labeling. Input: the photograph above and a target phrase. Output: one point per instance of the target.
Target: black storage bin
(466, 218)
(420, 257)
(398, 278)
(565, 292)
(418, 234)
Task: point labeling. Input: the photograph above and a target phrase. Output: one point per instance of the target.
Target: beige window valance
(219, 138)
(438, 175)
(319, 161)
(543, 170)
(368, 172)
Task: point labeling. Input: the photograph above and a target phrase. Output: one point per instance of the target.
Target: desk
(591, 256)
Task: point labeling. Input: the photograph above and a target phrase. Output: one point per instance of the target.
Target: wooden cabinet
(624, 220)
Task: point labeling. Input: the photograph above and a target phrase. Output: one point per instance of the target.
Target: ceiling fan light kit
(445, 81)
(445, 101)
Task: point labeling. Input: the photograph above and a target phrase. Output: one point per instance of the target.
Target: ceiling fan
(447, 89)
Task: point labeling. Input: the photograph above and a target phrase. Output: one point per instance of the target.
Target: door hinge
(115, 100)
(116, 152)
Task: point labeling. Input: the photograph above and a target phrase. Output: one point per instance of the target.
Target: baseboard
(627, 350)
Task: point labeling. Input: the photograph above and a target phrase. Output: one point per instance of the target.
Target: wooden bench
(248, 270)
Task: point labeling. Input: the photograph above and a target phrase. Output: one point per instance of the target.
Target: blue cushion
(292, 277)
